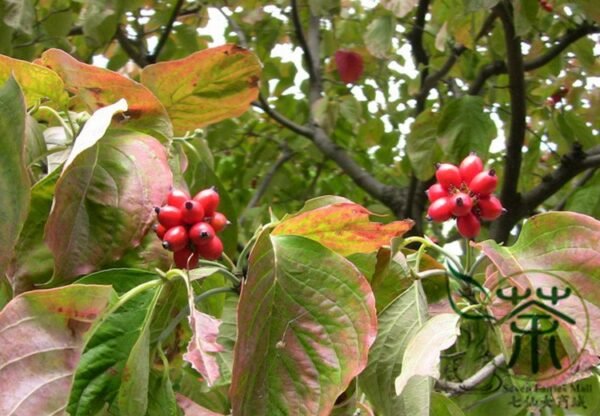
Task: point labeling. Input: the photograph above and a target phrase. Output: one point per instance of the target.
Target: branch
(499, 67)
(281, 119)
(310, 61)
(476, 379)
(130, 48)
(236, 28)
(570, 166)
(286, 154)
(516, 137)
(166, 33)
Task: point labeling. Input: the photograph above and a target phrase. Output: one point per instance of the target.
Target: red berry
(160, 230)
(435, 192)
(468, 225)
(440, 210)
(470, 167)
(186, 258)
(169, 216)
(177, 198)
(461, 204)
(484, 183)
(192, 212)
(448, 176)
(490, 208)
(175, 238)
(209, 198)
(201, 233)
(212, 250)
(219, 222)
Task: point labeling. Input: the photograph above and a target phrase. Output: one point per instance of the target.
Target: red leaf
(350, 65)
(204, 345)
(191, 408)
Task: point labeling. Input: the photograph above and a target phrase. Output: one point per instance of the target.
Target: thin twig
(476, 379)
(166, 33)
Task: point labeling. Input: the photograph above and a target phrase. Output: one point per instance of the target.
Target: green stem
(431, 244)
(229, 262)
(134, 292)
(431, 273)
(61, 120)
(476, 264)
(242, 258)
(468, 254)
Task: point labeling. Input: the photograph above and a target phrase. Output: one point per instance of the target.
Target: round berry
(169, 216)
(186, 258)
(201, 233)
(212, 250)
(160, 230)
(209, 198)
(219, 222)
(461, 204)
(448, 176)
(177, 198)
(435, 192)
(440, 210)
(175, 238)
(192, 212)
(484, 183)
(468, 225)
(490, 208)
(470, 167)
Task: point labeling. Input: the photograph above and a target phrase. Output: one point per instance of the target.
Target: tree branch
(516, 137)
(166, 33)
(499, 67)
(130, 48)
(476, 379)
(286, 154)
(281, 119)
(308, 57)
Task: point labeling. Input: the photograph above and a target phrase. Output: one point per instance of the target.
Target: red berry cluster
(188, 226)
(464, 192)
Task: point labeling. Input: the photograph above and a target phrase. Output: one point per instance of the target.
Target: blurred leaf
(20, 15)
(574, 129)
(161, 397)
(343, 227)
(301, 303)
(206, 87)
(37, 82)
(398, 323)
(444, 406)
(422, 147)
(464, 127)
(104, 202)
(422, 354)
(193, 409)
(378, 37)
(14, 178)
(475, 5)
(95, 88)
(400, 7)
(42, 334)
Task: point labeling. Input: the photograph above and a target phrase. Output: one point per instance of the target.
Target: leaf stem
(134, 292)
(63, 123)
(229, 262)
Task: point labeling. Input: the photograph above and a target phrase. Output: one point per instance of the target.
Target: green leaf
(115, 360)
(378, 37)
(443, 406)
(42, 334)
(584, 198)
(38, 83)
(573, 129)
(306, 317)
(475, 5)
(121, 280)
(94, 88)
(421, 145)
(559, 250)
(206, 87)
(104, 202)
(33, 262)
(343, 227)
(161, 397)
(464, 127)
(397, 325)
(191, 408)
(14, 179)
(422, 354)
